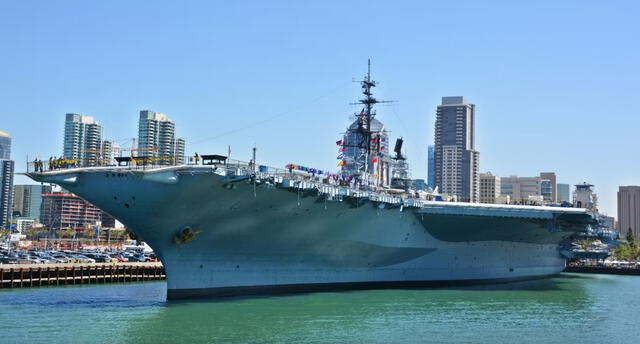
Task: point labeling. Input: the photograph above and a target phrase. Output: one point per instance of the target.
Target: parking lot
(12, 256)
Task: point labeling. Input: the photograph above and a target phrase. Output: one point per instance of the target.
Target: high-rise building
(629, 211)
(564, 193)
(431, 167)
(489, 188)
(549, 191)
(63, 210)
(82, 139)
(156, 139)
(27, 200)
(456, 162)
(110, 150)
(179, 153)
(6, 179)
(5, 146)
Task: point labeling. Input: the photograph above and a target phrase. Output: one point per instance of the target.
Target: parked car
(62, 258)
(80, 258)
(57, 260)
(120, 257)
(49, 259)
(91, 255)
(139, 258)
(8, 260)
(104, 258)
(29, 260)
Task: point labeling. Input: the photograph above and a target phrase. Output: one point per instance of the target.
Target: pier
(598, 269)
(35, 275)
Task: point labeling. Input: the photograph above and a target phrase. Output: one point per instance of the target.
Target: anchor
(185, 236)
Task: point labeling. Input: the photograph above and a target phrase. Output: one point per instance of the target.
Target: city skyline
(538, 89)
(179, 143)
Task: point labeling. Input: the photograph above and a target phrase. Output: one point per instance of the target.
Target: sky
(554, 82)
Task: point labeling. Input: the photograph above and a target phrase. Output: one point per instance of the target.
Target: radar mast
(361, 140)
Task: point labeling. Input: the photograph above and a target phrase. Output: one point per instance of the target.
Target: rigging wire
(404, 128)
(281, 114)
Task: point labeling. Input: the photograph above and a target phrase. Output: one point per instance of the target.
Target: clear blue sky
(555, 82)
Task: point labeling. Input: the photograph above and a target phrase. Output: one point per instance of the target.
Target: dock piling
(30, 275)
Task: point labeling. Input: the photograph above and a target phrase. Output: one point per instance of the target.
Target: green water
(568, 309)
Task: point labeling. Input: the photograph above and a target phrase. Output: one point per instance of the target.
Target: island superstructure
(228, 227)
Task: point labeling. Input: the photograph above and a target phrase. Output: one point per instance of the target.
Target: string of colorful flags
(376, 147)
(335, 177)
(341, 151)
(341, 157)
(305, 169)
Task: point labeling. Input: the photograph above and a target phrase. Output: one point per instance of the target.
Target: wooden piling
(33, 275)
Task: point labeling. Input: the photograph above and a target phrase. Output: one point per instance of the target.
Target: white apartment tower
(82, 139)
(110, 150)
(179, 152)
(156, 139)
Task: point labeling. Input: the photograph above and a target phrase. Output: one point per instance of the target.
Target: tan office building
(489, 188)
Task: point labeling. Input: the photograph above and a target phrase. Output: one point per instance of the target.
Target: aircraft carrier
(225, 227)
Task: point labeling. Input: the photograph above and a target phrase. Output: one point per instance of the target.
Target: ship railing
(325, 184)
(134, 163)
(300, 181)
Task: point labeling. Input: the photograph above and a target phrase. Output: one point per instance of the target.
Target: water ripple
(568, 310)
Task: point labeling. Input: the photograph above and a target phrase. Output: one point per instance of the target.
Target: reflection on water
(584, 309)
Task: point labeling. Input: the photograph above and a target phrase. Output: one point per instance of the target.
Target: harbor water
(572, 308)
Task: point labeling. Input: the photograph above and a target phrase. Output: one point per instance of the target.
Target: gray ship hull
(255, 238)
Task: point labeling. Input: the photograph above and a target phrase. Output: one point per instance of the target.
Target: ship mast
(368, 102)
(366, 116)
